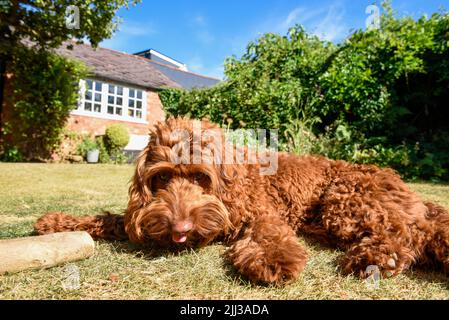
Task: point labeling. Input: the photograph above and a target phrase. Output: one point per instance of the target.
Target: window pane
(111, 99)
(139, 94)
(98, 97)
(97, 107)
(120, 90)
(119, 101)
(97, 86)
(88, 95)
(89, 84)
(118, 111)
(88, 106)
(111, 88)
(110, 109)
(131, 93)
(139, 104)
(131, 103)
(130, 113)
(139, 114)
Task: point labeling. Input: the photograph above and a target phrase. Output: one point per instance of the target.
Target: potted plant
(92, 155)
(89, 148)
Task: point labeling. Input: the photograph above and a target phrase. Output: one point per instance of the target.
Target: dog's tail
(107, 226)
(438, 246)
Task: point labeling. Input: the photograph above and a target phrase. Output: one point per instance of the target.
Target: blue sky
(203, 33)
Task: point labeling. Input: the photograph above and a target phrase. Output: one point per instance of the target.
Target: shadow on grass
(153, 251)
(148, 251)
(240, 279)
(419, 273)
(237, 277)
(424, 275)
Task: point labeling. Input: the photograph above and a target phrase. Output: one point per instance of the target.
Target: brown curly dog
(367, 211)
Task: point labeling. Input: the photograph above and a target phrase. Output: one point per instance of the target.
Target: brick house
(123, 88)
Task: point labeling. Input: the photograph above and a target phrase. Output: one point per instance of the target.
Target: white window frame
(115, 96)
(104, 103)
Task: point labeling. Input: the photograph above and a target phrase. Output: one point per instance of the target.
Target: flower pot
(92, 156)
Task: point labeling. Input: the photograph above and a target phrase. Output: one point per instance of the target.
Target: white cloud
(300, 15)
(199, 24)
(291, 18)
(327, 22)
(199, 20)
(332, 26)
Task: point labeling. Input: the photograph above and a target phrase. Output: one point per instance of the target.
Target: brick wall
(97, 126)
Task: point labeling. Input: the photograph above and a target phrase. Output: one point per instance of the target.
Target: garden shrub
(11, 154)
(104, 155)
(116, 137)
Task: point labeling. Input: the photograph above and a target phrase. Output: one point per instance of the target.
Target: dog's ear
(139, 195)
(139, 191)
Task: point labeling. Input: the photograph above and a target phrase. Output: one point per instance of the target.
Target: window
(111, 101)
(115, 99)
(92, 98)
(135, 103)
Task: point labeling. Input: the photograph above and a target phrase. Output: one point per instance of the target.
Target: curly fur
(367, 211)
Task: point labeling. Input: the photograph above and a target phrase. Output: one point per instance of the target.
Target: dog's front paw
(268, 262)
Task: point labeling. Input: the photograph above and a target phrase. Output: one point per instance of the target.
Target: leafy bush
(378, 97)
(119, 158)
(116, 137)
(299, 137)
(11, 154)
(104, 155)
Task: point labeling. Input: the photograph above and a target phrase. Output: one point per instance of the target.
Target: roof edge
(190, 72)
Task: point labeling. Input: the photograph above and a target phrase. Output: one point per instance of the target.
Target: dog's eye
(201, 179)
(163, 177)
(160, 180)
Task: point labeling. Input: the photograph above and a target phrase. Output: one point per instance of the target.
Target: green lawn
(122, 271)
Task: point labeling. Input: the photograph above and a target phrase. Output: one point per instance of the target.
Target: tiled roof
(118, 66)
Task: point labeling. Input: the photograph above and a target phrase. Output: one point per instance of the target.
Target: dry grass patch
(120, 270)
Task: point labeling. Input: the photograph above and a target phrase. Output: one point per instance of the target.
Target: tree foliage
(44, 21)
(44, 90)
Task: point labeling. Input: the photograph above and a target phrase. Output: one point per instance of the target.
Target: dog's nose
(180, 229)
